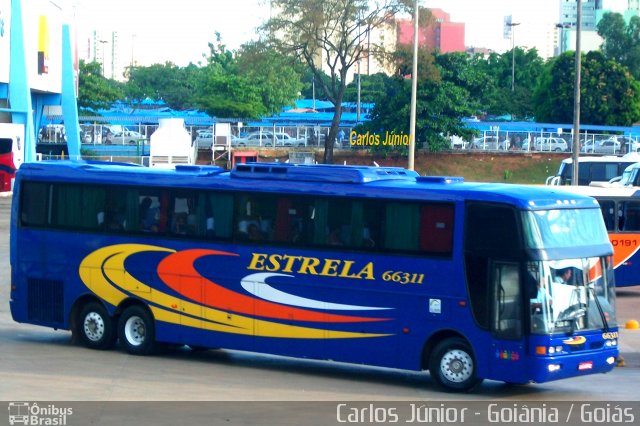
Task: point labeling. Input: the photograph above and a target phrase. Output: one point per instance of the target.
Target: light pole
(414, 91)
(513, 55)
(103, 57)
(576, 96)
(562, 27)
(133, 45)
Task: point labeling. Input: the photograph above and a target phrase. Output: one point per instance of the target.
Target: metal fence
(590, 143)
(133, 140)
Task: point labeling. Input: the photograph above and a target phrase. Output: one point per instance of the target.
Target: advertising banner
(43, 44)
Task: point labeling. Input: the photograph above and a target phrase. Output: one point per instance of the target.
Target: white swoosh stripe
(256, 285)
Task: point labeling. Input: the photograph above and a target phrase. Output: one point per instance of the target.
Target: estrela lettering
(311, 266)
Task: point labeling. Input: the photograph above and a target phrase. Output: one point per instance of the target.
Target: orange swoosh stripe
(174, 268)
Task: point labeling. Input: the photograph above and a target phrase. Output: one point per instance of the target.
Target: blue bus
(366, 265)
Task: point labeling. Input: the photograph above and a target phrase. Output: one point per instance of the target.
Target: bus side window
(436, 228)
(631, 215)
(608, 213)
(34, 200)
(255, 216)
(214, 215)
(77, 206)
(402, 228)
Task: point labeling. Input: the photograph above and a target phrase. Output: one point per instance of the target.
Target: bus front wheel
(452, 366)
(95, 327)
(136, 330)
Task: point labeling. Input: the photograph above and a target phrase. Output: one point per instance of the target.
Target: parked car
(550, 144)
(489, 143)
(613, 145)
(266, 139)
(125, 137)
(204, 140)
(607, 146)
(284, 139)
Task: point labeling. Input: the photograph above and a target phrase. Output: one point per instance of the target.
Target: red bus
(11, 153)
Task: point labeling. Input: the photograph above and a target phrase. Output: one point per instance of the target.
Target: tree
(609, 94)
(276, 76)
(223, 90)
(497, 96)
(172, 84)
(94, 91)
(329, 34)
(621, 41)
(371, 88)
(311, 89)
(441, 102)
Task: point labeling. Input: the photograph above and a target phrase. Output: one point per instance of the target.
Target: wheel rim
(135, 331)
(456, 366)
(93, 326)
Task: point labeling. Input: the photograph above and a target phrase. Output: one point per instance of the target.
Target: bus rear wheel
(96, 327)
(136, 330)
(452, 366)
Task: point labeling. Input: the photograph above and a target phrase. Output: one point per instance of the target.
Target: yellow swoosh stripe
(103, 272)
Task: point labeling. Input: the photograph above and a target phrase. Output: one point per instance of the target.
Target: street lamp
(414, 91)
(561, 43)
(133, 45)
(513, 54)
(103, 56)
(576, 96)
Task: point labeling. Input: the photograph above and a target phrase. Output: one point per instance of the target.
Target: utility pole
(513, 54)
(102, 42)
(414, 91)
(576, 97)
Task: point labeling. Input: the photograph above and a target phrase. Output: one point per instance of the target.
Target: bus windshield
(546, 229)
(571, 294)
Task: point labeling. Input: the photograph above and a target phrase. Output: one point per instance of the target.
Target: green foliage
(553, 98)
(173, 84)
(608, 92)
(308, 84)
(621, 41)
(439, 108)
(94, 91)
(255, 82)
(230, 96)
(372, 87)
(276, 76)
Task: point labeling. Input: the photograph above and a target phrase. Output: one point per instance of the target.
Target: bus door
(508, 346)
(493, 256)
(11, 153)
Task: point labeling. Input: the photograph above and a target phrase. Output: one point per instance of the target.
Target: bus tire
(136, 330)
(95, 327)
(452, 365)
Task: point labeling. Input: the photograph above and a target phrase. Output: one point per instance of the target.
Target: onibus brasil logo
(27, 413)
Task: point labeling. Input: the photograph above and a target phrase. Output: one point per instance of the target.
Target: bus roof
(632, 157)
(602, 191)
(357, 181)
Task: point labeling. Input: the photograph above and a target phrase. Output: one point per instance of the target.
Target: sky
(172, 30)
(179, 30)
(484, 19)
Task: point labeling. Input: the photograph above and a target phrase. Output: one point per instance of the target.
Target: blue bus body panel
(225, 290)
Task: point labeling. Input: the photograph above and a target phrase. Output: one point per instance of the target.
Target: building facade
(442, 34)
